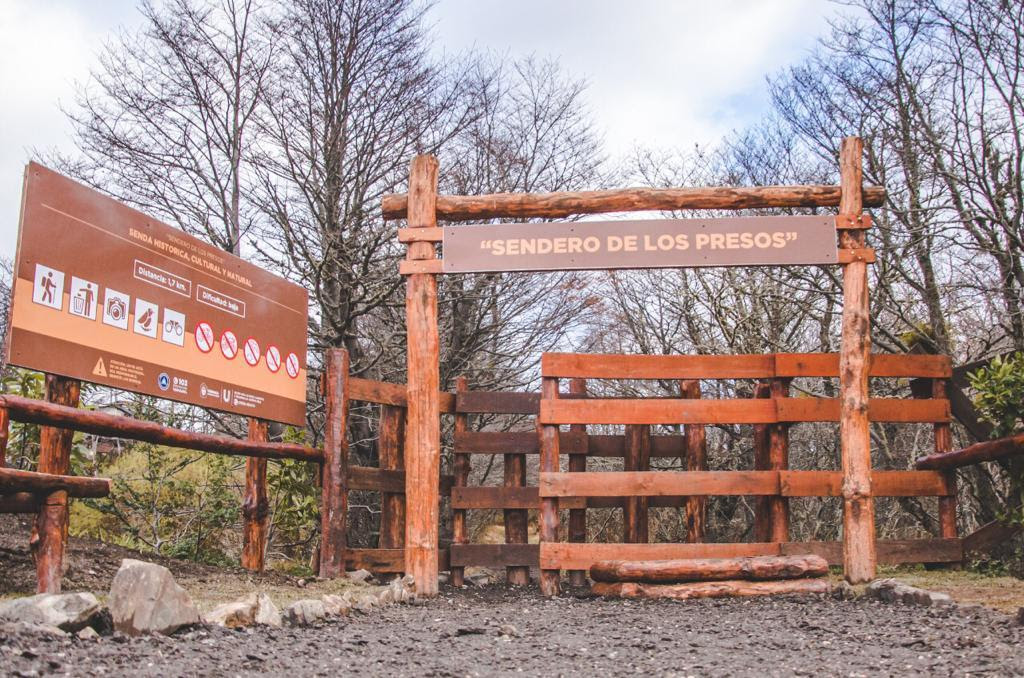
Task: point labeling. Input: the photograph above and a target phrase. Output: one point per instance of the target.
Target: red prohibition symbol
(252, 352)
(228, 344)
(291, 365)
(273, 359)
(204, 337)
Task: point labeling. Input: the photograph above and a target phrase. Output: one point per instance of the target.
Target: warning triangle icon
(100, 370)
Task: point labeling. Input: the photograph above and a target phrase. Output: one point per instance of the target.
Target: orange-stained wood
(762, 443)
(578, 464)
(711, 589)
(391, 453)
(658, 483)
(943, 439)
(255, 504)
(334, 470)
(884, 483)
(695, 441)
(423, 431)
(567, 203)
(50, 533)
(549, 452)
(461, 471)
(638, 458)
(859, 559)
(709, 569)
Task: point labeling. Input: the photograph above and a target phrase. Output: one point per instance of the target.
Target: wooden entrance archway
(422, 207)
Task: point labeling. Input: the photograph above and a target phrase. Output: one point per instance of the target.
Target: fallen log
(990, 450)
(709, 569)
(710, 589)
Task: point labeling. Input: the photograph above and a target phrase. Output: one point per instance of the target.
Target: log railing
(770, 414)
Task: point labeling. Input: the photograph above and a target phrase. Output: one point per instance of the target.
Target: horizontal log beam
(567, 203)
(712, 589)
(368, 390)
(14, 481)
(733, 411)
(990, 450)
(568, 556)
(740, 366)
(709, 569)
(32, 411)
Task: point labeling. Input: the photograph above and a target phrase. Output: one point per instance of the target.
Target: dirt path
(460, 634)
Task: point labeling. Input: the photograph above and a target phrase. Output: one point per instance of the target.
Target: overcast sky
(661, 73)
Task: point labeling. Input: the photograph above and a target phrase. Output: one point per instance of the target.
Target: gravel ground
(497, 631)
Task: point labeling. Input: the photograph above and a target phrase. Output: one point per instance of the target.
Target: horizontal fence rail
(30, 411)
(80, 487)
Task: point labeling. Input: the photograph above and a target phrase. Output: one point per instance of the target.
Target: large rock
(305, 612)
(335, 605)
(144, 598)
(258, 608)
(69, 612)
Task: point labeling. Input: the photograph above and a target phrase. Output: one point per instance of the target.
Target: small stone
(335, 605)
(508, 630)
(88, 633)
(844, 591)
(267, 613)
(360, 576)
(304, 612)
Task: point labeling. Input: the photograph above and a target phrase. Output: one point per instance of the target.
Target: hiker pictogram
(273, 359)
(291, 365)
(204, 337)
(228, 344)
(83, 298)
(49, 287)
(252, 352)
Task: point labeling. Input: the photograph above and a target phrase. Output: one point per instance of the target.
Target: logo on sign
(252, 352)
(204, 337)
(291, 365)
(163, 381)
(273, 359)
(229, 344)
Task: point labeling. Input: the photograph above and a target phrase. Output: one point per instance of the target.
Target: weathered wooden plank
(666, 411)
(637, 459)
(658, 483)
(989, 536)
(571, 442)
(387, 561)
(895, 410)
(709, 569)
(370, 391)
(495, 498)
(497, 402)
(567, 203)
(549, 454)
(391, 453)
(616, 366)
(883, 483)
(495, 555)
(568, 556)
(889, 552)
(460, 532)
(373, 479)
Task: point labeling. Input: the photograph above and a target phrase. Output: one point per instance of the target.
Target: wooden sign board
(106, 294)
(656, 243)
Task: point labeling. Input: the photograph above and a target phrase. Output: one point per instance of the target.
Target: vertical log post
(334, 469)
(517, 521)
(255, 505)
(423, 427)
(762, 462)
(390, 446)
(50, 533)
(578, 463)
(778, 460)
(637, 458)
(549, 444)
(695, 438)
(944, 443)
(5, 435)
(459, 534)
(859, 557)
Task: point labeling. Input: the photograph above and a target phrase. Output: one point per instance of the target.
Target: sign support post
(255, 505)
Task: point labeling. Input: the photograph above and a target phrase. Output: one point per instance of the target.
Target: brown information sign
(656, 243)
(106, 294)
